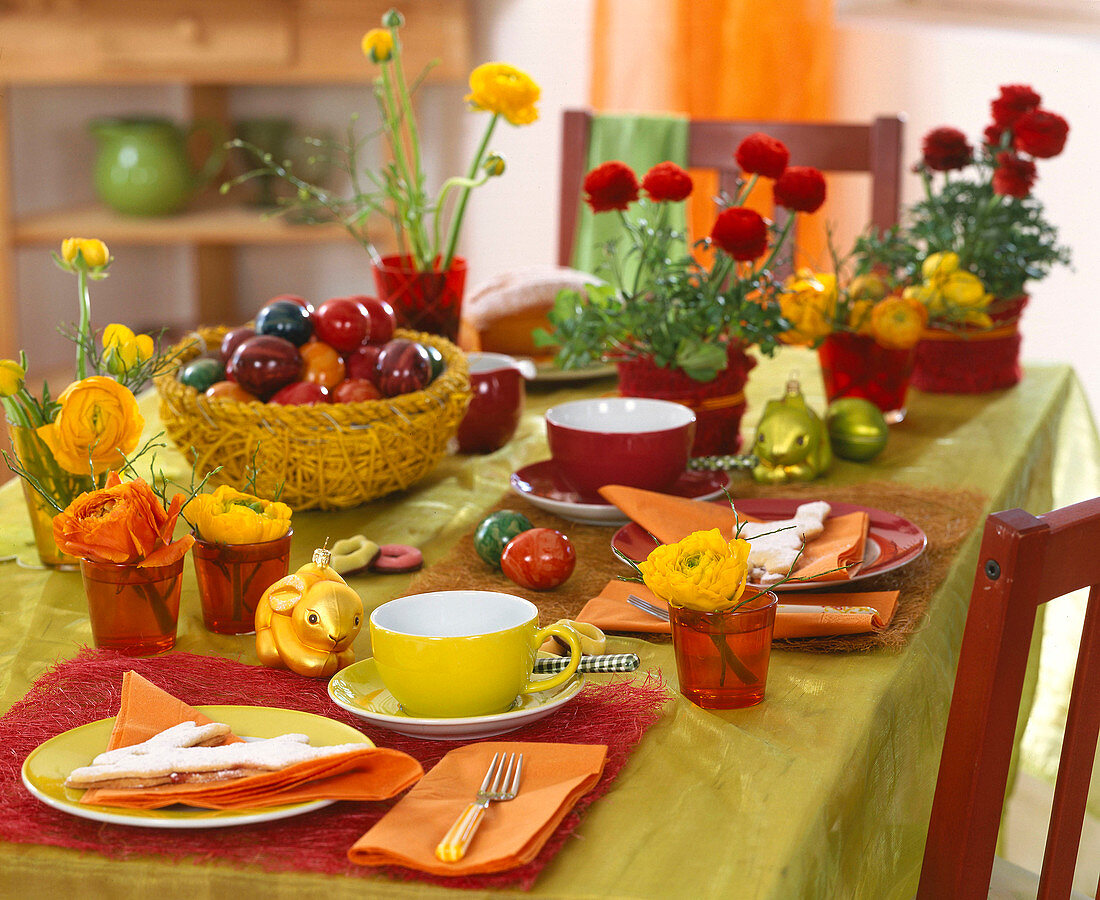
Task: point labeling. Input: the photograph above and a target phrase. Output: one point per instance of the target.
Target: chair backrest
(873, 148)
(1025, 561)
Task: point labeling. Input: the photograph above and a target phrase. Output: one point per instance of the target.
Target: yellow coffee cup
(455, 654)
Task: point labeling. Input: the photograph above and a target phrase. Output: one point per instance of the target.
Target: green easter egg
(202, 372)
(495, 531)
(857, 429)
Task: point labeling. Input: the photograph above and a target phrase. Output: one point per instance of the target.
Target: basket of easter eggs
(324, 408)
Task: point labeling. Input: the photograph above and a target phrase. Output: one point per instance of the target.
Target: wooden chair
(1025, 561)
(873, 148)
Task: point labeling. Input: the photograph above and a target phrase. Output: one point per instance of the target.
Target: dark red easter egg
(342, 323)
(363, 363)
(233, 339)
(354, 390)
(538, 559)
(262, 364)
(403, 366)
(301, 393)
(383, 320)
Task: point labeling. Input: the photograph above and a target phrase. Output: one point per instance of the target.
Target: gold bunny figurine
(792, 443)
(307, 621)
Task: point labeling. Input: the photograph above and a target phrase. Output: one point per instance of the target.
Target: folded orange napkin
(610, 611)
(370, 773)
(670, 519)
(555, 776)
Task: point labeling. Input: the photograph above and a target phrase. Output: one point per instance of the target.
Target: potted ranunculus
(676, 320)
(242, 547)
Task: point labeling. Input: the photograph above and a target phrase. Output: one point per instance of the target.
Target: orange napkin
(670, 519)
(555, 776)
(611, 612)
(370, 773)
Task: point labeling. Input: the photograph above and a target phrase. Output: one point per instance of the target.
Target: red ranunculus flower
(945, 149)
(993, 135)
(1041, 133)
(611, 185)
(801, 188)
(667, 181)
(1014, 101)
(762, 154)
(740, 232)
(1013, 176)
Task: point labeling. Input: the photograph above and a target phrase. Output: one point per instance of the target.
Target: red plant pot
(854, 365)
(422, 301)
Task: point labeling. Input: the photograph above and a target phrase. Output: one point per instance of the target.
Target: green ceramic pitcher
(143, 168)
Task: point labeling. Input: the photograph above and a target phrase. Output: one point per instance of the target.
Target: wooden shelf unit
(208, 46)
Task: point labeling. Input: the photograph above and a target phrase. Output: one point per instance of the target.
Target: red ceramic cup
(497, 385)
(631, 441)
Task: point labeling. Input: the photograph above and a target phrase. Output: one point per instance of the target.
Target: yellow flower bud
(123, 350)
(494, 165)
(378, 45)
(12, 376)
(939, 265)
(94, 251)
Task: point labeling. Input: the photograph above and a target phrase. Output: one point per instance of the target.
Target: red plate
(891, 540)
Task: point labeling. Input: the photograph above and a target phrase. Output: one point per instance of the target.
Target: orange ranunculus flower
(123, 522)
(98, 421)
(897, 322)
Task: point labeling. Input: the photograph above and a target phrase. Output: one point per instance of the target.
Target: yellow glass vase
(62, 487)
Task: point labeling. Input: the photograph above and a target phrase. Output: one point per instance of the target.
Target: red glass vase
(233, 577)
(422, 301)
(854, 365)
(718, 404)
(722, 657)
(133, 610)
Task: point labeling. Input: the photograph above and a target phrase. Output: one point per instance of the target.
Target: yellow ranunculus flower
(704, 571)
(99, 420)
(859, 316)
(229, 516)
(94, 251)
(378, 45)
(12, 376)
(949, 289)
(939, 265)
(898, 321)
(809, 304)
(124, 350)
(962, 289)
(505, 90)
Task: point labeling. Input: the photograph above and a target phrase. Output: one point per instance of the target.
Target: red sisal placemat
(87, 688)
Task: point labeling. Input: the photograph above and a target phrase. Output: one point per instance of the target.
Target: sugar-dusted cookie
(774, 546)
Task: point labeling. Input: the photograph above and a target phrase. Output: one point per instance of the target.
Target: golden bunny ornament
(307, 621)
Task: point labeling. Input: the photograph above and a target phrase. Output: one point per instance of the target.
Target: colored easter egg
(539, 559)
(857, 429)
(202, 372)
(496, 530)
(285, 319)
(403, 366)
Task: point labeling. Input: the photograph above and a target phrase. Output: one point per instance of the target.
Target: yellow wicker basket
(329, 456)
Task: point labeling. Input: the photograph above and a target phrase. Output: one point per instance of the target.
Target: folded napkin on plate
(555, 776)
(370, 773)
(670, 519)
(866, 611)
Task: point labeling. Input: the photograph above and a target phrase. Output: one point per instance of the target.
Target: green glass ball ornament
(495, 531)
(857, 429)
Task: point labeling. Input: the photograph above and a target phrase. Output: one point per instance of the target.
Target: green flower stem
(396, 116)
(460, 209)
(446, 189)
(85, 327)
(743, 194)
(780, 241)
(730, 660)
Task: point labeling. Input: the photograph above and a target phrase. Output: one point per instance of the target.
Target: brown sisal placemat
(945, 516)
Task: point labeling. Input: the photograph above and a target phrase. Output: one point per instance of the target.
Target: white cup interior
(480, 363)
(620, 415)
(453, 613)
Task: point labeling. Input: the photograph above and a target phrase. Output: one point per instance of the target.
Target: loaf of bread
(505, 310)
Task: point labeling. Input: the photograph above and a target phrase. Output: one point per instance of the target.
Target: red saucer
(546, 481)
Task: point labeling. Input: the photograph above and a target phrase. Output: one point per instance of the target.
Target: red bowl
(631, 441)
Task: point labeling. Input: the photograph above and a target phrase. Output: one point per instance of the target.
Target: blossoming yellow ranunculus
(704, 571)
(229, 516)
(378, 45)
(94, 251)
(99, 420)
(949, 289)
(12, 376)
(124, 350)
(809, 304)
(505, 90)
(897, 322)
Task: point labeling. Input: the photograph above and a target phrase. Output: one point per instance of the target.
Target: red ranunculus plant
(676, 305)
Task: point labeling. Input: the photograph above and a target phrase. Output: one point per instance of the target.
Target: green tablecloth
(821, 791)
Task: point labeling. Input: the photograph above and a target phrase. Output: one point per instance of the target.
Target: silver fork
(501, 783)
(647, 607)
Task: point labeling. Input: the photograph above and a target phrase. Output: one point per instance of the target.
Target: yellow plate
(359, 690)
(47, 766)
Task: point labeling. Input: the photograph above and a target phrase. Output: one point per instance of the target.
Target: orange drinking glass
(233, 577)
(722, 657)
(133, 610)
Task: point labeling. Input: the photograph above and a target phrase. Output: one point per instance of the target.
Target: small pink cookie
(397, 558)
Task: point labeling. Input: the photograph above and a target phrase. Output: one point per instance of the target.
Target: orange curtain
(718, 59)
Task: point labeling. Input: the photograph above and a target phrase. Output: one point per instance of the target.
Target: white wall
(934, 70)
